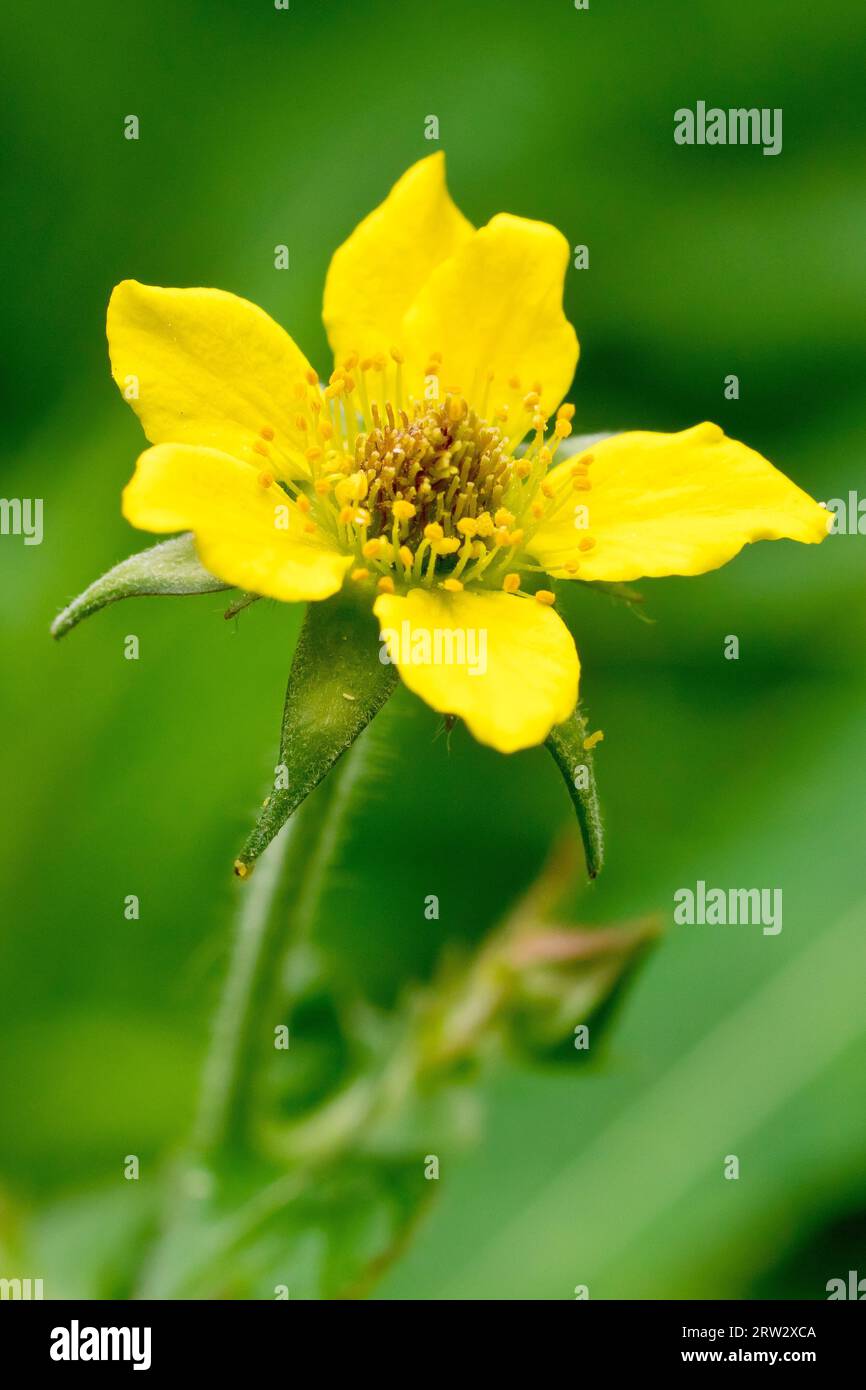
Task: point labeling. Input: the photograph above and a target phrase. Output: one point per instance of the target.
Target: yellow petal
(203, 367)
(513, 667)
(374, 276)
(239, 525)
(671, 504)
(495, 308)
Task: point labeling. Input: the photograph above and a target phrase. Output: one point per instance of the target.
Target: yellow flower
(450, 348)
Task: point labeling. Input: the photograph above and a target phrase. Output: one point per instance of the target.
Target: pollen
(430, 492)
(590, 742)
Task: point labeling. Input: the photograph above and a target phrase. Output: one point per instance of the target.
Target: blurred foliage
(261, 127)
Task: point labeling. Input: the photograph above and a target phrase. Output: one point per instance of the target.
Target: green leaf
(336, 685)
(575, 762)
(172, 567)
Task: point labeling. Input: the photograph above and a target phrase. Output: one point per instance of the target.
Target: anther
(446, 546)
(545, 596)
(511, 583)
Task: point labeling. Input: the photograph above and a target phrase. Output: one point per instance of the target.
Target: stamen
(430, 490)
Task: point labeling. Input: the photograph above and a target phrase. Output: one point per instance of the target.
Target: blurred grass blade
(172, 567)
(336, 685)
(575, 762)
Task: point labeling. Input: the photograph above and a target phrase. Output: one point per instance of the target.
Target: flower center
(423, 491)
(443, 464)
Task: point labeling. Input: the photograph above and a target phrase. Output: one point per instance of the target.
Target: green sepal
(336, 685)
(566, 743)
(172, 567)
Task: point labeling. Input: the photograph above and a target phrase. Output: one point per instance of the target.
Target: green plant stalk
(273, 906)
(266, 916)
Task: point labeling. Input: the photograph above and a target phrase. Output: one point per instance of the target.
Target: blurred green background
(261, 127)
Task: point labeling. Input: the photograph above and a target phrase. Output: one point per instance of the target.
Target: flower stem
(270, 908)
